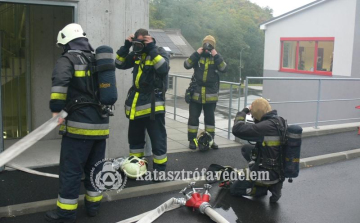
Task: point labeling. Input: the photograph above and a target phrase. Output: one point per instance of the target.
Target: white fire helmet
(70, 32)
(134, 167)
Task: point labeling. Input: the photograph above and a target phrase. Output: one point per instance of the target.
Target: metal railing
(318, 100)
(176, 76)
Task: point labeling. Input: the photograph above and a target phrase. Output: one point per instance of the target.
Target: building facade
(318, 40)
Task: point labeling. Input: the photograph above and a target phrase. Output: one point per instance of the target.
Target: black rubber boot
(53, 216)
(192, 145)
(214, 146)
(275, 191)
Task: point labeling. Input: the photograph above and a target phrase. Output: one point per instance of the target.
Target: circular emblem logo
(105, 177)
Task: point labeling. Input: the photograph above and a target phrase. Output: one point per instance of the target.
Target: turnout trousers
(78, 156)
(250, 188)
(194, 114)
(157, 133)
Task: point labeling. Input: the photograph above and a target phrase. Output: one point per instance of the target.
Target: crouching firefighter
(145, 102)
(266, 155)
(75, 89)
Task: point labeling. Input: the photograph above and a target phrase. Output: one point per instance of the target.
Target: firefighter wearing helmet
(266, 155)
(204, 88)
(84, 131)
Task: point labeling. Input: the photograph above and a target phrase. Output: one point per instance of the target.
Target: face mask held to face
(138, 45)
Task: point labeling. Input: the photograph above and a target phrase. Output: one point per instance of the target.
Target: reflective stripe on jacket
(267, 139)
(150, 69)
(206, 68)
(72, 80)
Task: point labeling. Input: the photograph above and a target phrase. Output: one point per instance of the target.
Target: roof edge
(302, 8)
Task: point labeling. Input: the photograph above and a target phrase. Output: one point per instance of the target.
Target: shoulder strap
(281, 126)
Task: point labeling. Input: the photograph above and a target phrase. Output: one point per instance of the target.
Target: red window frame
(297, 40)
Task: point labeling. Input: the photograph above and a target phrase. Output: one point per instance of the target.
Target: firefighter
(145, 102)
(85, 129)
(266, 155)
(207, 64)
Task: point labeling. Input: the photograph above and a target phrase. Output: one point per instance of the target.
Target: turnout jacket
(149, 79)
(74, 84)
(205, 78)
(268, 142)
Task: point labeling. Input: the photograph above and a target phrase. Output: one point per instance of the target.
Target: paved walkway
(47, 152)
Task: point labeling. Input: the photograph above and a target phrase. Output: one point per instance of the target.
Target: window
(170, 83)
(307, 55)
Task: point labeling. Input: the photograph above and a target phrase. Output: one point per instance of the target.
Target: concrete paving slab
(178, 137)
(170, 131)
(172, 146)
(43, 153)
(182, 129)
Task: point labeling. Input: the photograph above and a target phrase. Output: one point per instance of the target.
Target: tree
(233, 23)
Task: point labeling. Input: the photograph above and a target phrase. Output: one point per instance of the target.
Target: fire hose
(193, 199)
(29, 140)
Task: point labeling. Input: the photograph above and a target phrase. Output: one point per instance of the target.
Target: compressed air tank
(292, 151)
(105, 67)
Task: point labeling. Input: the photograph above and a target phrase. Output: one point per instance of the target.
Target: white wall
(335, 18)
(109, 22)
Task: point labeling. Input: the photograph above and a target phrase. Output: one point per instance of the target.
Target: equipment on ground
(193, 199)
(205, 141)
(132, 166)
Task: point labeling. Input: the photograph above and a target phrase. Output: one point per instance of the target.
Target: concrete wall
(106, 22)
(324, 20)
(335, 18)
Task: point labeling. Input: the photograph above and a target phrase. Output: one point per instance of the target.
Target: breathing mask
(208, 47)
(138, 45)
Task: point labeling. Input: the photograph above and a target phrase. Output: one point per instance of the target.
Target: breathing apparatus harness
(83, 101)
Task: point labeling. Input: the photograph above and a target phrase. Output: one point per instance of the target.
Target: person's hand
(249, 107)
(130, 38)
(200, 50)
(148, 39)
(213, 52)
(60, 120)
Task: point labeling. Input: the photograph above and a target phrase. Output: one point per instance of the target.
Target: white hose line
(215, 216)
(27, 170)
(151, 216)
(29, 140)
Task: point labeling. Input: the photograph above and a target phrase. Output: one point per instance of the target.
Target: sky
(281, 6)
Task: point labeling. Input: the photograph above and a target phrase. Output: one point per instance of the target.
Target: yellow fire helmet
(134, 167)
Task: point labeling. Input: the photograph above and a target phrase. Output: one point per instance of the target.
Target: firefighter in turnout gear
(207, 64)
(85, 129)
(266, 155)
(145, 102)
